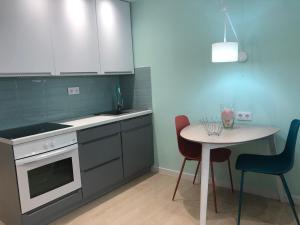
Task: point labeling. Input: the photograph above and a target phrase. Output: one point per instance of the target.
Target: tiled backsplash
(137, 89)
(25, 101)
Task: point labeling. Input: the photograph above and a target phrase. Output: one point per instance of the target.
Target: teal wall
(174, 38)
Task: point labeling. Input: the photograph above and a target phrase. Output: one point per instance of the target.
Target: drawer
(136, 122)
(98, 180)
(48, 213)
(98, 132)
(95, 153)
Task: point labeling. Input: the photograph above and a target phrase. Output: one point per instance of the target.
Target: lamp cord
(225, 29)
(227, 16)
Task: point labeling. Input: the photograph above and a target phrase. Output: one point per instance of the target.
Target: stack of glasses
(213, 127)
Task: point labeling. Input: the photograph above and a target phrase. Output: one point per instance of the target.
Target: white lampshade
(225, 52)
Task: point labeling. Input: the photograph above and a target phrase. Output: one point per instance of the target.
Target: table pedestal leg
(204, 182)
(274, 152)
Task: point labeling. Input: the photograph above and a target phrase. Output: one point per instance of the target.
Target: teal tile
(26, 101)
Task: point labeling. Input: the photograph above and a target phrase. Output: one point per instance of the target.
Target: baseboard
(190, 177)
(174, 173)
(296, 199)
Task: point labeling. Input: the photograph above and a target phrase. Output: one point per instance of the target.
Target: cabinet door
(137, 143)
(115, 38)
(25, 43)
(74, 34)
(99, 180)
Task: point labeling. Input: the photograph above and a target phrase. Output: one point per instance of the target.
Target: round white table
(228, 137)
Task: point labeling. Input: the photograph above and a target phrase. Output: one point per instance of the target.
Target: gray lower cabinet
(137, 145)
(52, 211)
(100, 153)
(114, 153)
(110, 155)
(10, 208)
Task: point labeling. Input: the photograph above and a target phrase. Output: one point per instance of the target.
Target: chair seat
(220, 154)
(216, 155)
(266, 164)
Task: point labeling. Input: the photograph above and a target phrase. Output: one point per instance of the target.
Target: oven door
(48, 176)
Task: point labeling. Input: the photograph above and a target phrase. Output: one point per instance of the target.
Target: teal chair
(272, 164)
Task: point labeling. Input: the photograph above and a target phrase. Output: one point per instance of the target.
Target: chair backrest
(290, 146)
(181, 122)
(188, 149)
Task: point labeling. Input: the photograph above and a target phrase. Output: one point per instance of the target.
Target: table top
(239, 134)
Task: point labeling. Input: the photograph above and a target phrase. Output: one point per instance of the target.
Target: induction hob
(25, 131)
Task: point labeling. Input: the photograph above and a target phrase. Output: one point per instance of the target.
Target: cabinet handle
(119, 72)
(77, 73)
(35, 74)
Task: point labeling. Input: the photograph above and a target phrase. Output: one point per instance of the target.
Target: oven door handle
(47, 155)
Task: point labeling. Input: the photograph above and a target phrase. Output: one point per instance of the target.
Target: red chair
(193, 151)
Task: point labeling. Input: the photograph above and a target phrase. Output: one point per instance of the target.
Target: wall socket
(73, 91)
(244, 116)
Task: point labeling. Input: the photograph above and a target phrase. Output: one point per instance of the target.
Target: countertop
(78, 124)
(239, 134)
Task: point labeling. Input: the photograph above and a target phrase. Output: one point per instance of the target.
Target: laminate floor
(147, 201)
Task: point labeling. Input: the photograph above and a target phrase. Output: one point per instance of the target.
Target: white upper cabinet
(65, 37)
(74, 34)
(115, 37)
(25, 44)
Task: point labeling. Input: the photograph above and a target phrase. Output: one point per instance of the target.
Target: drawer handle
(35, 74)
(100, 138)
(119, 72)
(137, 127)
(102, 164)
(77, 73)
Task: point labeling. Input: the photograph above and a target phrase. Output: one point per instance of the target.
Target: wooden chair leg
(286, 188)
(230, 175)
(180, 174)
(241, 199)
(196, 172)
(214, 186)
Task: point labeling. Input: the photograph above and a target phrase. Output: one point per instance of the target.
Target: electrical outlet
(244, 116)
(73, 91)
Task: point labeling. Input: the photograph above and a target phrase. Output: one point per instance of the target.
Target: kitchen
(89, 90)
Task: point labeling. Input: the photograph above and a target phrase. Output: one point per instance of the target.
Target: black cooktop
(20, 132)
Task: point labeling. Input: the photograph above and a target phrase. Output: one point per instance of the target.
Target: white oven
(49, 172)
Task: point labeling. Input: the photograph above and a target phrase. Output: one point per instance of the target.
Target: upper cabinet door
(115, 37)
(74, 34)
(25, 43)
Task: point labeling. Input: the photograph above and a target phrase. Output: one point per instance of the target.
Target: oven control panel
(44, 145)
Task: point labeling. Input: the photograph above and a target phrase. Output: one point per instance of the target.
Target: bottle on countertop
(119, 103)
